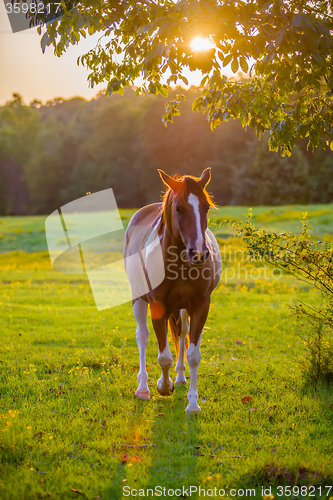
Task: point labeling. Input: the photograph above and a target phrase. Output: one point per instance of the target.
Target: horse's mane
(190, 185)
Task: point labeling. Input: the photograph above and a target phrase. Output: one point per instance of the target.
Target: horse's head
(186, 204)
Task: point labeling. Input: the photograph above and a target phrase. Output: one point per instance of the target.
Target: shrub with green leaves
(309, 260)
(317, 364)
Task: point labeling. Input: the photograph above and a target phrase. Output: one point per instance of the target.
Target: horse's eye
(179, 210)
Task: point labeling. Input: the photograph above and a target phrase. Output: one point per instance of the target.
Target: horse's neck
(170, 240)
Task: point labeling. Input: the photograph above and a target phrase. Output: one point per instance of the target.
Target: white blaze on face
(194, 202)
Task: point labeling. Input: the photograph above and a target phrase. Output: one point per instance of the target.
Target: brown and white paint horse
(192, 269)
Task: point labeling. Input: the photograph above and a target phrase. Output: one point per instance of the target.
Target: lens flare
(200, 44)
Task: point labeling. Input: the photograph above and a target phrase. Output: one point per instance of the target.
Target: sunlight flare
(200, 44)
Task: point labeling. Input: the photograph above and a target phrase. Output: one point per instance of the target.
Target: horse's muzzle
(197, 259)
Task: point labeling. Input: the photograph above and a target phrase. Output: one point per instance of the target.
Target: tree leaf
(234, 65)
(330, 81)
(227, 60)
(243, 64)
(297, 20)
(163, 91)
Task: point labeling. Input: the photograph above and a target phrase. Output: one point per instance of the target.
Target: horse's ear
(169, 181)
(205, 178)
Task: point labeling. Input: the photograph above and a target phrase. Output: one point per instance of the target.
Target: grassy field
(71, 427)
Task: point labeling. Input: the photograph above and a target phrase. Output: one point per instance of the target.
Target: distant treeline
(54, 153)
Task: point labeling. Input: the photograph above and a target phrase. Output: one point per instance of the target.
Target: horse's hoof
(141, 394)
(166, 391)
(190, 410)
(180, 383)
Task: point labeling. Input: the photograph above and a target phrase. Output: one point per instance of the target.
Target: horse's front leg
(140, 313)
(198, 319)
(165, 385)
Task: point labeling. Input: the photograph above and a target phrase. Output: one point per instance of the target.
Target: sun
(200, 44)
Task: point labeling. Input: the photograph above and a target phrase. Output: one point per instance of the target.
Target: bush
(317, 364)
(310, 261)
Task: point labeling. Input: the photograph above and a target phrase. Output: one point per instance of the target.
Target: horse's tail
(175, 324)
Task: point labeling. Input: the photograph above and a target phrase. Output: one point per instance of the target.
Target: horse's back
(140, 226)
(214, 250)
(146, 215)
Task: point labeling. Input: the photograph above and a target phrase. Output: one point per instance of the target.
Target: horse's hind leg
(180, 366)
(165, 385)
(140, 314)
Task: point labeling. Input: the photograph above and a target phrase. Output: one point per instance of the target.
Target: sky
(34, 75)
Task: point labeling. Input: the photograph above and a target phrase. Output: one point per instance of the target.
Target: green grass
(28, 233)
(280, 219)
(68, 381)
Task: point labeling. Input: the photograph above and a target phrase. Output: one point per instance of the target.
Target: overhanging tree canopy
(285, 47)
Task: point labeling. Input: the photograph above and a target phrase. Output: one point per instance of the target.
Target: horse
(189, 270)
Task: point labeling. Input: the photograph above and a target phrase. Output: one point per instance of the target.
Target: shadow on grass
(128, 452)
(176, 434)
(167, 449)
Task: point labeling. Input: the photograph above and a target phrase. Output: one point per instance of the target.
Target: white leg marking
(140, 313)
(165, 384)
(193, 200)
(180, 366)
(193, 358)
